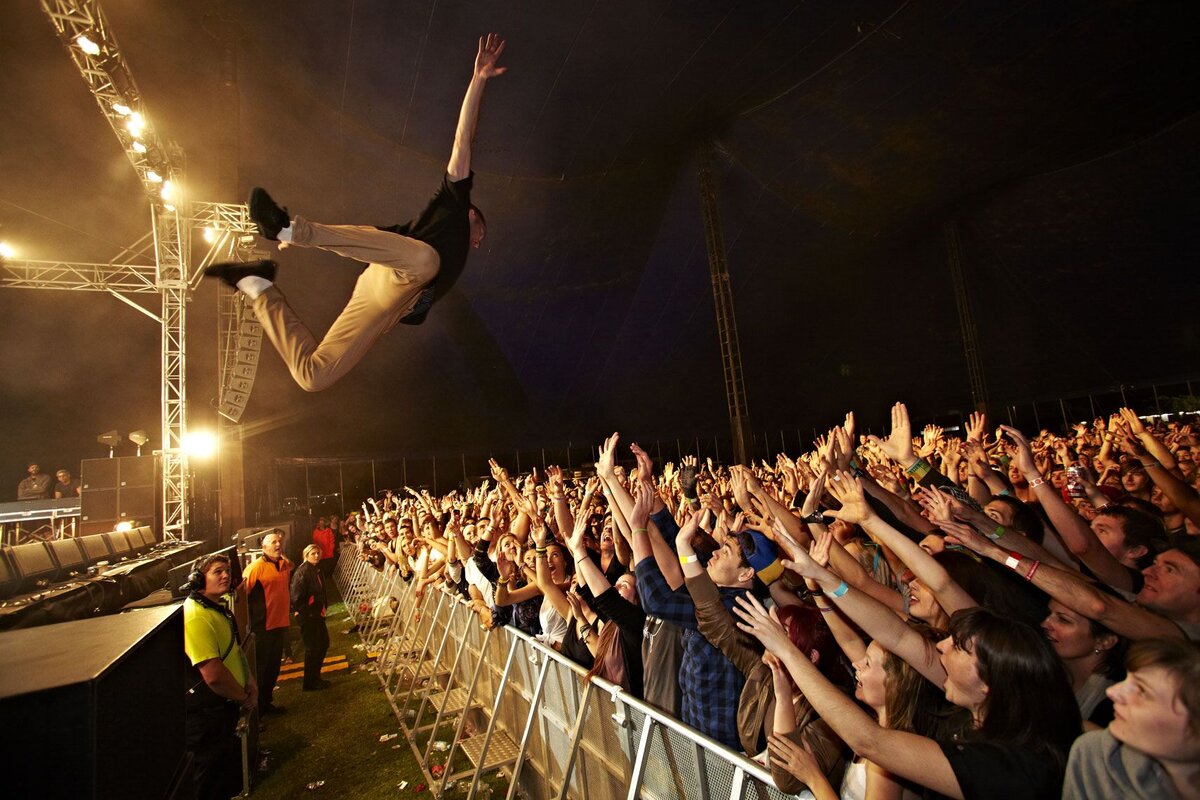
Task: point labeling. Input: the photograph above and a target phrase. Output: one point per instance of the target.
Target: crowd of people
(916, 615)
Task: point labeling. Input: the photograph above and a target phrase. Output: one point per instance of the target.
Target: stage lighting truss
(228, 232)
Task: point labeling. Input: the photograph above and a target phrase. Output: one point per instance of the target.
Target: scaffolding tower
(174, 219)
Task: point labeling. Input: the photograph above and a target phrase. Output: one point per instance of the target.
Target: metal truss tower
(84, 31)
(727, 334)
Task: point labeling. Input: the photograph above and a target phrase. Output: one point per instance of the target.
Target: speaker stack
(95, 708)
(119, 490)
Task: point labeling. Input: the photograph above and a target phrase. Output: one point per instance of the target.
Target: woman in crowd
(308, 605)
(1152, 747)
(1002, 671)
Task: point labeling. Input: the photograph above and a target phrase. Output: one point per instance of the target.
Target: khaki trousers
(398, 268)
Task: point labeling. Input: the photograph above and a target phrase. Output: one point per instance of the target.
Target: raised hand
(645, 465)
(787, 755)
(554, 479)
(898, 446)
(606, 458)
(643, 502)
(935, 503)
(1132, 421)
(976, 425)
(965, 535)
(761, 624)
(1024, 454)
(848, 491)
(490, 49)
(813, 501)
(499, 473)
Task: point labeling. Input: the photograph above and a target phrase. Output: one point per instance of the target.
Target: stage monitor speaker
(8, 580)
(93, 708)
(69, 555)
(99, 473)
(95, 547)
(32, 562)
(118, 544)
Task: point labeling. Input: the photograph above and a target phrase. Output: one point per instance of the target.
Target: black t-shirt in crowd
(1001, 771)
(444, 226)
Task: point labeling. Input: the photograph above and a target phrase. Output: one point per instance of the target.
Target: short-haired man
(36, 486)
(408, 266)
(268, 584)
(66, 485)
(220, 684)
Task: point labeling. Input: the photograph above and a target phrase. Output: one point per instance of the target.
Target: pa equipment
(94, 708)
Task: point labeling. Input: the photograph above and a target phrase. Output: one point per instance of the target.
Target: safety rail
(518, 707)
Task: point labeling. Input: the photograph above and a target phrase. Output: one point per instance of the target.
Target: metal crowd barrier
(478, 701)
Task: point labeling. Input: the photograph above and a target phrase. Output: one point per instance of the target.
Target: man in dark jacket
(308, 604)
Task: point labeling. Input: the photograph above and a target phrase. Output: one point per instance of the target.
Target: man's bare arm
(490, 48)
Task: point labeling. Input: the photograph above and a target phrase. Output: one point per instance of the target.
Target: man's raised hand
(490, 48)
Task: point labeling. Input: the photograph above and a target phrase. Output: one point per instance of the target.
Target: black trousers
(216, 751)
(316, 645)
(268, 654)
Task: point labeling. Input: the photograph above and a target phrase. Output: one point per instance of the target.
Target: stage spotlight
(7, 250)
(136, 125)
(123, 527)
(87, 45)
(153, 176)
(200, 444)
(168, 190)
(210, 234)
(169, 207)
(122, 109)
(138, 147)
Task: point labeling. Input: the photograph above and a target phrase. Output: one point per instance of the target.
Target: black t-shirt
(444, 226)
(999, 771)
(66, 489)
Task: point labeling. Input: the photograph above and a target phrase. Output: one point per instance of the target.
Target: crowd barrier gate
(520, 707)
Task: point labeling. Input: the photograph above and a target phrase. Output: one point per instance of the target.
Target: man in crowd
(267, 581)
(322, 537)
(219, 683)
(36, 486)
(66, 485)
(408, 266)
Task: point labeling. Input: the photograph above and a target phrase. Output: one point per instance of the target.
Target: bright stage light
(122, 527)
(168, 190)
(200, 444)
(136, 125)
(210, 234)
(138, 147)
(153, 176)
(168, 207)
(122, 109)
(87, 45)
(7, 250)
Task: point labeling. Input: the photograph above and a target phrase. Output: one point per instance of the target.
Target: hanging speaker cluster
(239, 375)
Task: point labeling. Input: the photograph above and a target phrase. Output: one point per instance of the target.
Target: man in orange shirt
(267, 582)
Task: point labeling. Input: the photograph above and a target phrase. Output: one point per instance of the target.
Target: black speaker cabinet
(99, 473)
(138, 471)
(94, 708)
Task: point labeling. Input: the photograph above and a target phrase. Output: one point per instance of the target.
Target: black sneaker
(267, 214)
(233, 271)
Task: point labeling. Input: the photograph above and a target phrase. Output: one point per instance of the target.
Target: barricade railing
(473, 701)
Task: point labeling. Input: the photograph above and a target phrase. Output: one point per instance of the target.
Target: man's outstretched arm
(490, 48)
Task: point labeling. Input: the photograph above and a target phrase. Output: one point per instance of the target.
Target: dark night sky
(1062, 137)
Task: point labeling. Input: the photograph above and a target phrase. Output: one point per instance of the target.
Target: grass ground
(333, 735)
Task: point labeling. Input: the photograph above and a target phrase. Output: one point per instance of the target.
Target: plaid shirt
(710, 684)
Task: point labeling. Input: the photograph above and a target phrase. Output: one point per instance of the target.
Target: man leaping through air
(408, 266)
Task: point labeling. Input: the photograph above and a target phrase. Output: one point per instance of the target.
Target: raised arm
(849, 492)
(1069, 588)
(490, 49)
